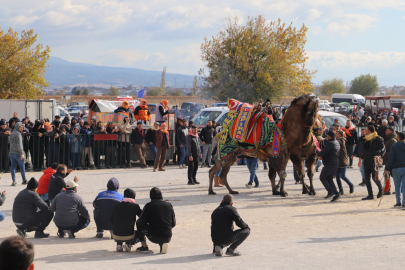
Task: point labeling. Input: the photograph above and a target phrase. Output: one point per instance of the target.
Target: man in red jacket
(43, 182)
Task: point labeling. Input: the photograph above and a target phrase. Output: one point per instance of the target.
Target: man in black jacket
(25, 215)
(207, 136)
(57, 182)
(330, 158)
(351, 140)
(137, 140)
(193, 153)
(123, 218)
(4, 138)
(181, 140)
(373, 147)
(156, 222)
(222, 233)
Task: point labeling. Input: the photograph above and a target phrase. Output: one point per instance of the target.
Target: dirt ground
(296, 232)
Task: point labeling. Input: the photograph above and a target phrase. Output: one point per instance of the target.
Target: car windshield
(204, 116)
(329, 120)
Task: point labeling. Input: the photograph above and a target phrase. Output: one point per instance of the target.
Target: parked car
(325, 107)
(219, 104)
(212, 113)
(192, 106)
(329, 118)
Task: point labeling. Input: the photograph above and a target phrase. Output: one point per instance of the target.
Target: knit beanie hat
(331, 134)
(32, 184)
(129, 193)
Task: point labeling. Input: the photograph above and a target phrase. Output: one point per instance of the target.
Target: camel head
(303, 111)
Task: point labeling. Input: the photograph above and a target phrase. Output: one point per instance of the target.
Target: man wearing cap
(162, 144)
(25, 214)
(150, 138)
(390, 140)
(17, 153)
(87, 140)
(4, 135)
(382, 130)
(123, 218)
(156, 222)
(138, 141)
(396, 163)
(391, 121)
(373, 148)
(162, 111)
(125, 108)
(70, 213)
(194, 154)
(103, 205)
(330, 158)
(57, 182)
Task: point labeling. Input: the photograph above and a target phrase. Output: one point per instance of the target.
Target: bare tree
(195, 85)
(163, 80)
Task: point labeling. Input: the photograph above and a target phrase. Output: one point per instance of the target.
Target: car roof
(326, 113)
(216, 109)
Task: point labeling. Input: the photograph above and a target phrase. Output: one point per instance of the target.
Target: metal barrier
(76, 151)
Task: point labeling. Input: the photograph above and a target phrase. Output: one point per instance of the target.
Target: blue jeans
(183, 154)
(153, 149)
(16, 159)
(341, 173)
(399, 181)
(252, 166)
(2, 216)
(44, 197)
(218, 173)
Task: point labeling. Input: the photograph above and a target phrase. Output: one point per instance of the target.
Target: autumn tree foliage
(332, 86)
(22, 65)
(259, 59)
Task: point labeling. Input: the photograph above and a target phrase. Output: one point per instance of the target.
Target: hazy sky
(346, 38)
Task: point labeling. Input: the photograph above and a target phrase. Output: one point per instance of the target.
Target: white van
(212, 113)
(349, 98)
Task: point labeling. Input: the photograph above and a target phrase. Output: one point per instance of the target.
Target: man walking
(138, 139)
(330, 159)
(373, 148)
(222, 230)
(181, 138)
(207, 136)
(351, 140)
(17, 153)
(193, 153)
(150, 138)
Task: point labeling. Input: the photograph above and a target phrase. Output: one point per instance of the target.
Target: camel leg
(283, 175)
(211, 175)
(310, 166)
(225, 170)
(272, 177)
(299, 168)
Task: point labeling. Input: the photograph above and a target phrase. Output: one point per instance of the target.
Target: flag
(141, 94)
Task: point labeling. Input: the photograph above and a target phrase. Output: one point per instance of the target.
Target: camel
(296, 125)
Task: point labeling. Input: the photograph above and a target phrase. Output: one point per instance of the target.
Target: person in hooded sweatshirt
(43, 182)
(103, 205)
(17, 153)
(25, 214)
(156, 222)
(123, 218)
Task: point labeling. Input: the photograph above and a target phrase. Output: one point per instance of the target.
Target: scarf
(164, 130)
(153, 128)
(371, 136)
(191, 133)
(129, 200)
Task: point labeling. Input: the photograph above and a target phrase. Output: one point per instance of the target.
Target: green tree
(113, 91)
(78, 92)
(154, 91)
(22, 65)
(365, 85)
(256, 60)
(332, 86)
(85, 92)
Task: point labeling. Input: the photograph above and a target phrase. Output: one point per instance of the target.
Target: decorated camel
(258, 136)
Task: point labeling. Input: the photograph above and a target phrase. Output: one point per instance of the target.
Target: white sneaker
(184, 165)
(119, 248)
(180, 166)
(164, 248)
(126, 247)
(218, 251)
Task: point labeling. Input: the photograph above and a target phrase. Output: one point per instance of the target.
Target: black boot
(370, 191)
(363, 183)
(380, 189)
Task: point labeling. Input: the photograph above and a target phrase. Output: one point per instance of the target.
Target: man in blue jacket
(87, 141)
(103, 205)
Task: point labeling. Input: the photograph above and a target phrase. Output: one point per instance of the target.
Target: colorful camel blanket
(241, 120)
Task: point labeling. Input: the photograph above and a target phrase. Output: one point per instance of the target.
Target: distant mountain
(62, 73)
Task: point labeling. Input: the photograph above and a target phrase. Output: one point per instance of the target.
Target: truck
(34, 109)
